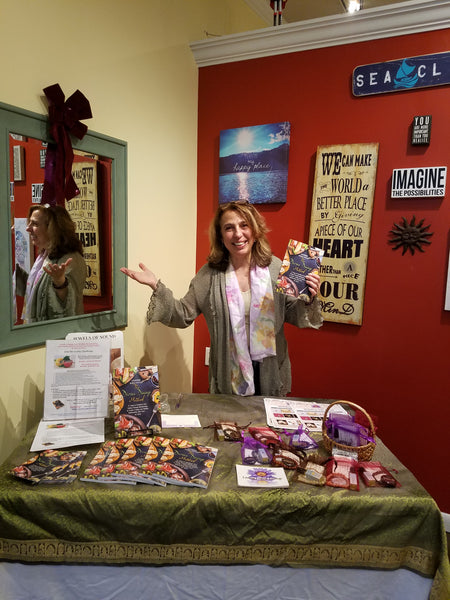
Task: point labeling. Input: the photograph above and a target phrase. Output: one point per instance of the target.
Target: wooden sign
(402, 74)
(421, 130)
(341, 217)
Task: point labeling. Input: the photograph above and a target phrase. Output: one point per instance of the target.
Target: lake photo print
(253, 163)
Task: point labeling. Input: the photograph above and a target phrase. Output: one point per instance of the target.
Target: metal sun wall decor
(410, 236)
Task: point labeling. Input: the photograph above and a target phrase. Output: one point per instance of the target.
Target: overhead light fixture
(351, 6)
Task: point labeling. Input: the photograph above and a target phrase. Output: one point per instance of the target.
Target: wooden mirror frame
(16, 337)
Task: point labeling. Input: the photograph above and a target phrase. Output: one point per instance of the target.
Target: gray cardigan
(45, 303)
(206, 295)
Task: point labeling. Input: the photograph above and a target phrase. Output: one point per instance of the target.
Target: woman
(235, 293)
(54, 287)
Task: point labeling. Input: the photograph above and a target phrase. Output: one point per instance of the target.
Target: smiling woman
(54, 287)
(235, 291)
(23, 138)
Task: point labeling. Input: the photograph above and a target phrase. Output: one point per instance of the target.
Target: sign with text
(421, 130)
(419, 183)
(341, 217)
(402, 74)
(84, 211)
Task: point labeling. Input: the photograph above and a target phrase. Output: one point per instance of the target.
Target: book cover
(102, 465)
(136, 401)
(299, 260)
(51, 466)
(138, 463)
(186, 463)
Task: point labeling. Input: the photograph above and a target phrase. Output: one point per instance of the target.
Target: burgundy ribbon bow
(64, 118)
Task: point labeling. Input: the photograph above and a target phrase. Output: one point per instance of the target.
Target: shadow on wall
(163, 348)
(32, 403)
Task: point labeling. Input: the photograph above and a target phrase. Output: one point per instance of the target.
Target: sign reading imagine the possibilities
(402, 74)
(419, 183)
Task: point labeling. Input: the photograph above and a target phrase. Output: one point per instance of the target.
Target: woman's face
(237, 236)
(38, 229)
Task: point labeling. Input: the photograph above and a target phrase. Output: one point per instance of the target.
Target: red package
(342, 472)
(265, 435)
(374, 474)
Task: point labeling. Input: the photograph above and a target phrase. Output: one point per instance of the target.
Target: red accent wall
(396, 364)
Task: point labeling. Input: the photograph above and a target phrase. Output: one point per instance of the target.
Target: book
(153, 460)
(299, 260)
(136, 401)
(50, 466)
(186, 463)
(102, 465)
(139, 461)
(260, 476)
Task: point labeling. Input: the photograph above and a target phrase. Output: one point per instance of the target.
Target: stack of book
(152, 460)
(50, 466)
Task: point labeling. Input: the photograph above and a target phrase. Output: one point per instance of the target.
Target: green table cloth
(299, 526)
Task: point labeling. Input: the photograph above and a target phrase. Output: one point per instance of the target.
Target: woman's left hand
(57, 272)
(313, 281)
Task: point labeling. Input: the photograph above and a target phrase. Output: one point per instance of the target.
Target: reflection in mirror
(99, 216)
(90, 213)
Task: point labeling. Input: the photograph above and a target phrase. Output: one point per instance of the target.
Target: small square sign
(421, 130)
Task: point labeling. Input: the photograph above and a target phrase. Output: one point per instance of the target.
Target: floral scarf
(35, 274)
(262, 327)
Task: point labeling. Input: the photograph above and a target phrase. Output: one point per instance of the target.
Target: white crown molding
(375, 23)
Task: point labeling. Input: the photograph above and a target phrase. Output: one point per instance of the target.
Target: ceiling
(301, 10)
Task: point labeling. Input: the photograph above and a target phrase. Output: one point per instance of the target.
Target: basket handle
(356, 407)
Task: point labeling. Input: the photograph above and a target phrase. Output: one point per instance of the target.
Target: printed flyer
(76, 379)
(282, 413)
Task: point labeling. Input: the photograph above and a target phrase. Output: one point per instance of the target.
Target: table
(395, 530)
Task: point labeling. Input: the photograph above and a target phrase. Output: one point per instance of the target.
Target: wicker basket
(364, 452)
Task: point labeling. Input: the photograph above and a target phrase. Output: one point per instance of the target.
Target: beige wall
(131, 59)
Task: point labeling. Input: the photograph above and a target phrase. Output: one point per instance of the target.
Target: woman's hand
(144, 276)
(57, 272)
(313, 281)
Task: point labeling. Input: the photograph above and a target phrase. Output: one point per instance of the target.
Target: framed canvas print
(253, 163)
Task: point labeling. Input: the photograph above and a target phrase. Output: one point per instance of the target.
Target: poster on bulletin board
(341, 217)
(84, 211)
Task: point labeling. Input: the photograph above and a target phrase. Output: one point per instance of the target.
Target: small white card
(259, 476)
(171, 421)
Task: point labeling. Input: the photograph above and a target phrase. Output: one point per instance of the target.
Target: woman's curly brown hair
(61, 230)
(219, 257)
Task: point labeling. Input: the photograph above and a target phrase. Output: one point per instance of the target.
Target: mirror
(105, 300)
